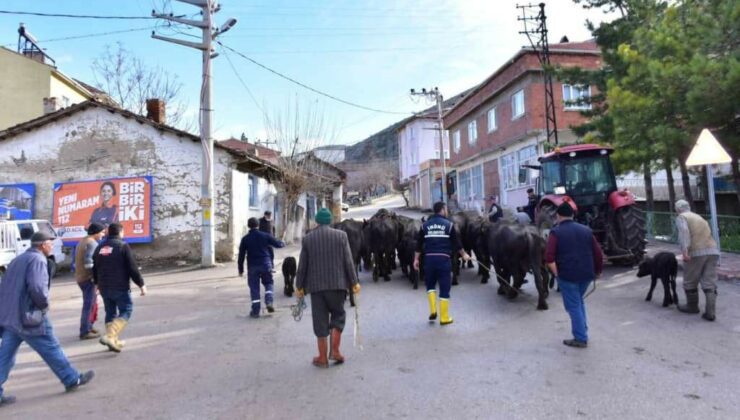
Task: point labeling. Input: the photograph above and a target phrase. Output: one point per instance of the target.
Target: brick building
(500, 125)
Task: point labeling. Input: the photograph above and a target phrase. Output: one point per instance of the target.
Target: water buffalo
(516, 250)
(384, 233)
(460, 220)
(474, 238)
(354, 231)
(407, 247)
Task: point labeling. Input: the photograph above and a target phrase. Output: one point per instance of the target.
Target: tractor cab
(582, 175)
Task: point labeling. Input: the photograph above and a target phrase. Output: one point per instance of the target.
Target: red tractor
(582, 175)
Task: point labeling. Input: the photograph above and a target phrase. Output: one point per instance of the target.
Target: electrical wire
(305, 86)
(249, 91)
(67, 38)
(65, 15)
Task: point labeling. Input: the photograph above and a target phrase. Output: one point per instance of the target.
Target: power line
(249, 91)
(67, 38)
(64, 15)
(305, 86)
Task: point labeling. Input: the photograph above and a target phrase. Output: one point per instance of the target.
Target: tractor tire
(546, 218)
(630, 234)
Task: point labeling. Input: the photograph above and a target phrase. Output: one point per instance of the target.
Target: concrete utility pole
(208, 8)
(434, 93)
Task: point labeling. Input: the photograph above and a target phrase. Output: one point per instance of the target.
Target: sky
(369, 53)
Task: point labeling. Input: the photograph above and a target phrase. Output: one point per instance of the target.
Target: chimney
(155, 110)
(51, 105)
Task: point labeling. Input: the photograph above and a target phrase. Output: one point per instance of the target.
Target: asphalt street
(193, 353)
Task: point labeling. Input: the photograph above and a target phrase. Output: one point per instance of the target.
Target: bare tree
(297, 130)
(402, 188)
(130, 82)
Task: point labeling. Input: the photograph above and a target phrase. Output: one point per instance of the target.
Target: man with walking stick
(326, 272)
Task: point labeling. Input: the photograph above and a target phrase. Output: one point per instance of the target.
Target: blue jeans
(255, 274)
(438, 269)
(575, 306)
(118, 304)
(89, 305)
(47, 346)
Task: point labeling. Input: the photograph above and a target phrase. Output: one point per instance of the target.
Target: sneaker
(90, 335)
(270, 309)
(93, 330)
(6, 400)
(575, 343)
(82, 380)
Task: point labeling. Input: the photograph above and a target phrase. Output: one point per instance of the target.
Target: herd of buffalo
(508, 249)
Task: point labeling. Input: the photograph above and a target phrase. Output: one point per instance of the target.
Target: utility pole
(208, 8)
(434, 93)
(537, 37)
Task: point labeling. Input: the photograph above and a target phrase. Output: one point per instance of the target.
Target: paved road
(390, 202)
(193, 354)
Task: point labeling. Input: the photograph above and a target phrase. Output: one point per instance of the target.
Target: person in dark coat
(495, 212)
(326, 271)
(84, 252)
(114, 267)
(255, 247)
(437, 240)
(574, 257)
(267, 226)
(532, 201)
(24, 303)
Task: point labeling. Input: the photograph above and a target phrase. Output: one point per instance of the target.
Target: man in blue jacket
(24, 302)
(574, 257)
(255, 246)
(438, 239)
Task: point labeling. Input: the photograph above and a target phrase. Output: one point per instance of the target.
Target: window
(470, 183)
(476, 181)
(436, 153)
(517, 105)
(512, 163)
(508, 170)
(527, 156)
(456, 140)
(491, 119)
(253, 184)
(573, 95)
(463, 182)
(65, 101)
(472, 132)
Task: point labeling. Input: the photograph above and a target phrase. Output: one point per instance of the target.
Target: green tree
(682, 76)
(633, 152)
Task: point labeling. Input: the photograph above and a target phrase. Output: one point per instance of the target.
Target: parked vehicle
(345, 207)
(582, 175)
(15, 238)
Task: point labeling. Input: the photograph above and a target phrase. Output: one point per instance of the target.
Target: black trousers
(327, 310)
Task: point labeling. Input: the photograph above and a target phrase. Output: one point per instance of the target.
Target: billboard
(16, 201)
(127, 201)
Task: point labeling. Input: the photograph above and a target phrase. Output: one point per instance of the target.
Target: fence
(661, 226)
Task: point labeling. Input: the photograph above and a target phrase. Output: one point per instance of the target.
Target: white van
(15, 238)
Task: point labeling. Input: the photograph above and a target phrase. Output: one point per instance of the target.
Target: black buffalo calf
(662, 266)
(289, 270)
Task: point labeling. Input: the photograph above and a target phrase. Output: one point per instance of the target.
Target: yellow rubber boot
(119, 324)
(432, 296)
(109, 339)
(444, 309)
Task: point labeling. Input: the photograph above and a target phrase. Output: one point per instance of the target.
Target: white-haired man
(700, 256)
